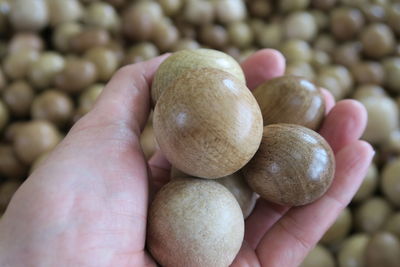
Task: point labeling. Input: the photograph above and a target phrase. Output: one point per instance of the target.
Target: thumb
(126, 98)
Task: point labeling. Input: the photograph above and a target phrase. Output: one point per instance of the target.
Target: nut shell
(194, 223)
(185, 60)
(293, 166)
(291, 99)
(208, 124)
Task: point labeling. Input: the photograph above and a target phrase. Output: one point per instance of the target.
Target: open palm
(87, 204)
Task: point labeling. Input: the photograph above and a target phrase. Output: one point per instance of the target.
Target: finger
(246, 257)
(160, 170)
(329, 100)
(263, 217)
(344, 124)
(294, 235)
(126, 98)
(263, 65)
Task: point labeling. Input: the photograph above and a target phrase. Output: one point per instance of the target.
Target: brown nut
(64, 33)
(45, 68)
(374, 12)
(102, 15)
(240, 34)
(19, 96)
(203, 151)
(16, 65)
(7, 191)
(325, 43)
(4, 115)
(182, 212)
(352, 251)
(390, 182)
(228, 11)
(61, 11)
(300, 25)
(260, 8)
(301, 69)
(368, 72)
(293, 5)
(141, 52)
(392, 224)
(185, 44)
(138, 20)
(53, 106)
(12, 129)
(165, 34)
(214, 36)
(293, 166)
(22, 41)
(378, 40)
(383, 249)
(346, 22)
(88, 97)
(372, 214)
(291, 99)
(393, 17)
(35, 138)
(88, 38)
(348, 54)
(368, 90)
(171, 7)
(235, 183)
(29, 15)
(77, 75)
(383, 118)
(320, 59)
(296, 50)
(332, 84)
(199, 12)
(105, 60)
(270, 35)
(148, 141)
(392, 73)
(185, 60)
(342, 74)
(10, 166)
(319, 256)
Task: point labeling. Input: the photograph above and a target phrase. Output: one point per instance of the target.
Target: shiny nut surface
(185, 60)
(293, 166)
(207, 123)
(291, 99)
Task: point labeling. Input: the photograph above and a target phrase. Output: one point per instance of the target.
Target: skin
(86, 205)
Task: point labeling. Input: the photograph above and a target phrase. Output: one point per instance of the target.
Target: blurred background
(56, 56)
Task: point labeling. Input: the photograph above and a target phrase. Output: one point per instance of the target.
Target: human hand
(87, 204)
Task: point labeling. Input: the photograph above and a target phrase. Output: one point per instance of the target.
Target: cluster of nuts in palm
(210, 126)
(57, 55)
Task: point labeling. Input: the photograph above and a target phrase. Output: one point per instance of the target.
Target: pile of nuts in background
(56, 56)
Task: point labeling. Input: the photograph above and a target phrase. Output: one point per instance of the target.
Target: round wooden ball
(208, 124)
(186, 60)
(291, 99)
(293, 166)
(234, 182)
(194, 222)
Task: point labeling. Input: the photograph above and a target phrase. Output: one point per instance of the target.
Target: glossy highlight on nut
(293, 166)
